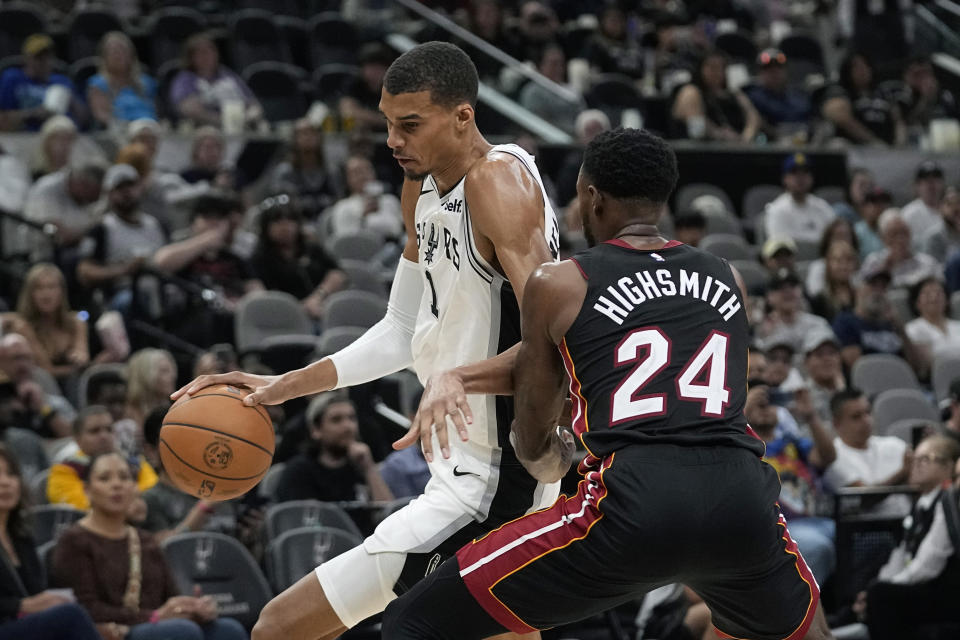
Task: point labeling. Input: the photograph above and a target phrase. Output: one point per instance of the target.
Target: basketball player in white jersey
(478, 224)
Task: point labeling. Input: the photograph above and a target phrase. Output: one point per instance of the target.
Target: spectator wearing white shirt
(923, 213)
(943, 239)
(786, 322)
(864, 459)
(367, 206)
(65, 199)
(918, 584)
(931, 331)
(797, 213)
(906, 267)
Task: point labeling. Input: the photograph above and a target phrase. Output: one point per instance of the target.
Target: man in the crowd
(368, 206)
(122, 243)
(93, 432)
(779, 252)
(873, 326)
(65, 199)
(906, 266)
(920, 96)
(359, 106)
(797, 213)
(923, 212)
(821, 351)
(875, 202)
(24, 91)
(46, 414)
(864, 459)
(689, 228)
(785, 319)
(776, 101)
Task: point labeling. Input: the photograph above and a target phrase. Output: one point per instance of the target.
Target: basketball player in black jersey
(653, 336)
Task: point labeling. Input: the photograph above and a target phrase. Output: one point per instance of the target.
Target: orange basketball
(213, 446)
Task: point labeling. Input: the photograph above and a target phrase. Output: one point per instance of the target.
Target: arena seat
(331, 81)
(728, 246)
(893, 405)
(613, 93)
(333, 39)
(362, 245)
(268, 313)
(268, 486)
(690, 192)
(277, 86)
(296, 34)
(335, 338)
(17, 21)
(224, 570)
(739, 46)
(878, 372)
(294, 551)
(292, 514)
(85, 28)
(756, 198)
(353, 309)
(946, 368)
(255, 37)
(169, 28)
(49, 520)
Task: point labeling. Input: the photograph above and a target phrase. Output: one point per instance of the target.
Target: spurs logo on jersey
(469, 312)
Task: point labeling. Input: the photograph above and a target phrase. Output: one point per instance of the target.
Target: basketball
(213, 446)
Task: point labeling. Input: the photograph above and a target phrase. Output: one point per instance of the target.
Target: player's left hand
(443, 397)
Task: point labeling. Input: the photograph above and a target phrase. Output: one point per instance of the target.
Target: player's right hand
(265, 389)
(443, 397)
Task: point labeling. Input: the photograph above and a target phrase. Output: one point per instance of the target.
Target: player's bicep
(409, 195)
(506, 207)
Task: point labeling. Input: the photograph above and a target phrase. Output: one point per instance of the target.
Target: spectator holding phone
(367, 206)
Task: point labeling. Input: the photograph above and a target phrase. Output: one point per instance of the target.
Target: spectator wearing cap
(119, 246)
(906, 267)
(48, 415)
(797, 213)
(65, 199)
(864, 459)
(942, 240)
(923, 212)
(200, 90)
(821, 359)
(120, 91)
(931, 331)
(561, 111)
(779, 252)
(360, 105)
(873, 326)
(777, 371)
(835, 292)
(799, 460)
(689, 228)
(777, 102)
(875, 202)
(26, 100)
(786, 320)
(205, 257)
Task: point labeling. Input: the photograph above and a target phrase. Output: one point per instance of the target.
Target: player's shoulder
(552, 278)
(498, 168)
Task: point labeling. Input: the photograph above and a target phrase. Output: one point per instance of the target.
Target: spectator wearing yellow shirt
(93, 431)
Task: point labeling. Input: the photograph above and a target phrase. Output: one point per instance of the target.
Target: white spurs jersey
(469, 311)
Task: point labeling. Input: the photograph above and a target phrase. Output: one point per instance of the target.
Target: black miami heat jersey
(659, 348)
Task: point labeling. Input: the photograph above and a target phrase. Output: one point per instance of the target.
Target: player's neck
(448, 177)
(641, 236)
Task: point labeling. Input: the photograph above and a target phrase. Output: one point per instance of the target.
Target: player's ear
(596, 199)
(465, 115)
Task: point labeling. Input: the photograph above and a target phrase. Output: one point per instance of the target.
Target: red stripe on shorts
(504, 551)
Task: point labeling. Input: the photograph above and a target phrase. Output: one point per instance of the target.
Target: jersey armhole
(579, 268)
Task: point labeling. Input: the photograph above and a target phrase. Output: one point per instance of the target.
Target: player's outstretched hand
(266, 390)
(443, 397)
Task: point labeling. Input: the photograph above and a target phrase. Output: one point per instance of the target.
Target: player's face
(111, 487)
(585, 203)
(424, 136)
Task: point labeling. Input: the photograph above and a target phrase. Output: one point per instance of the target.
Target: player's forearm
(314, 378)
(491, 377)
(547, 460)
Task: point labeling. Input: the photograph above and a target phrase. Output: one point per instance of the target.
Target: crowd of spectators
(141, 270)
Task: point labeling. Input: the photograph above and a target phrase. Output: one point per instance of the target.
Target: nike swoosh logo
(458, 473)
(426, 191)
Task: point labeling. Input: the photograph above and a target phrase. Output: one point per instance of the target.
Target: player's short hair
(631, 164)
(841, 398)
(441, 68)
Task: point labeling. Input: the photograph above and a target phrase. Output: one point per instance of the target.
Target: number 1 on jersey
(433, 295)
(702, 380)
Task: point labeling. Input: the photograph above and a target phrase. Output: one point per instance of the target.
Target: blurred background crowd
(191, 188)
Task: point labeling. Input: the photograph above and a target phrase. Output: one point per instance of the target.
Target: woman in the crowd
(286, 261)
(613, 49)
(838, 293)
(57, 334)
(838, 230)
(151, 378)
(120, 91)
(119, 574)
(860, 184)
(859, 112)
(304, 174)
(27, 609)
(931, 331)
(57, 137)
(200, 91)
(708, 109)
